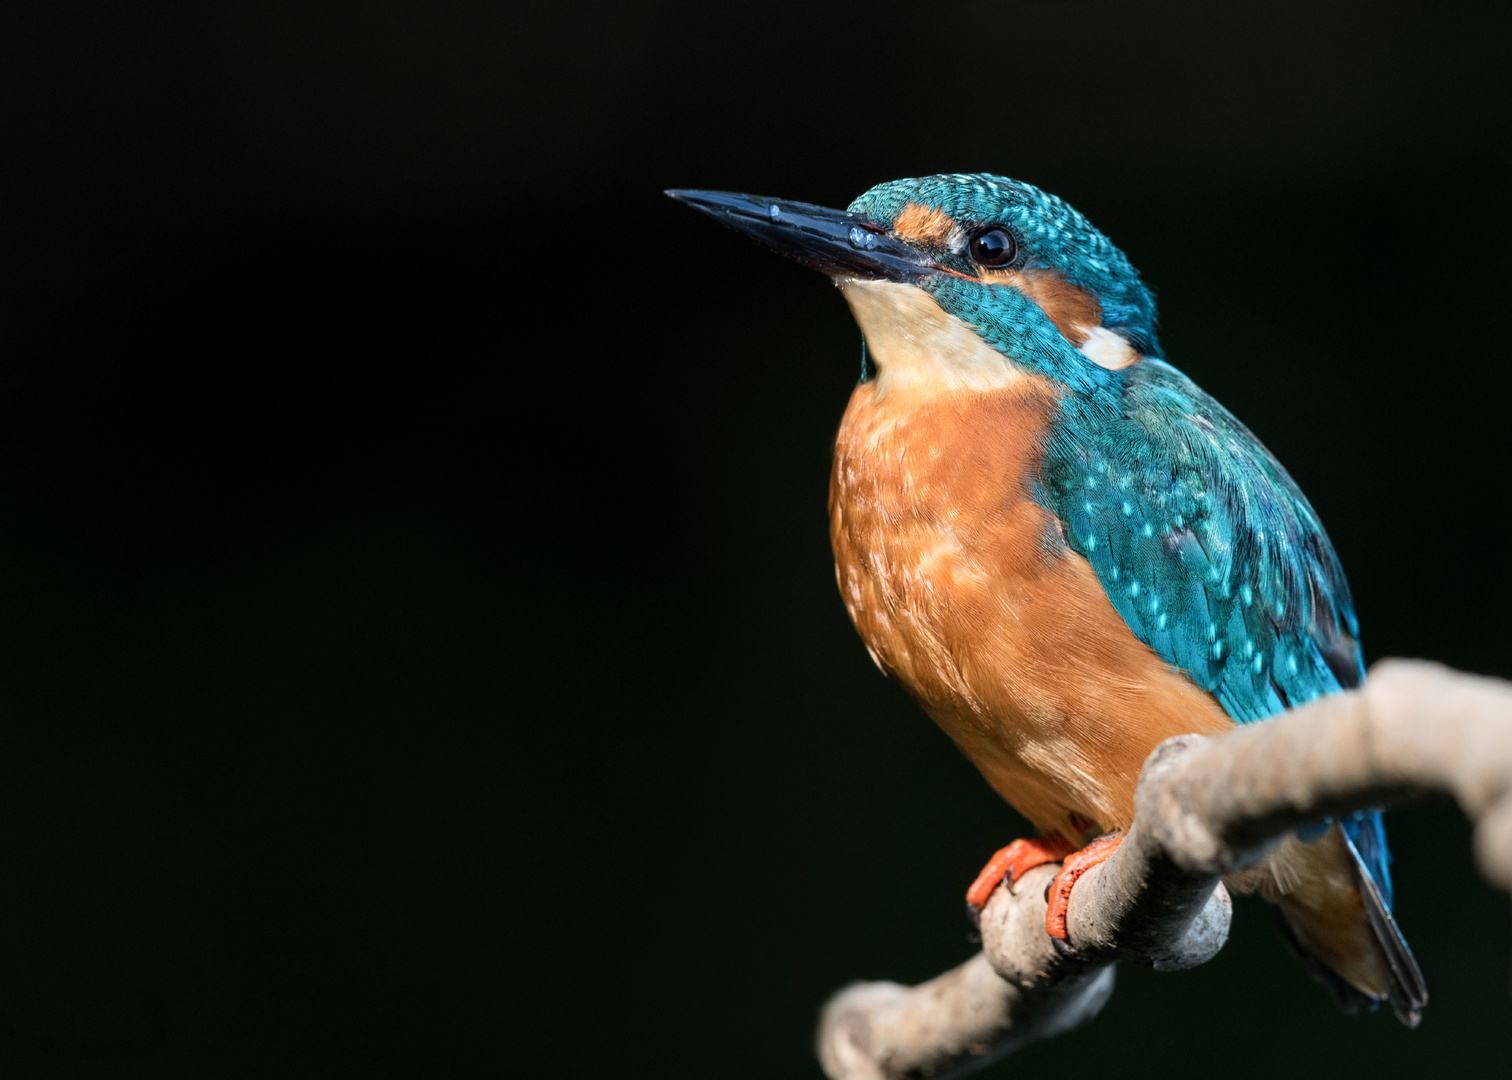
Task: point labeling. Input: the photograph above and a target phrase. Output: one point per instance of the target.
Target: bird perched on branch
(1064, 549)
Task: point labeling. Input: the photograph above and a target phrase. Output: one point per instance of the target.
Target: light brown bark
(1204, 807)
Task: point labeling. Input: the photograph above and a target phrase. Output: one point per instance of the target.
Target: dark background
(419, 649)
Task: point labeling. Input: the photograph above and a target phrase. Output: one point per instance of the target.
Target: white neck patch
(1108, 348)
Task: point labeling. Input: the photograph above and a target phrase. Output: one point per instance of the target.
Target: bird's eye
(993, 247)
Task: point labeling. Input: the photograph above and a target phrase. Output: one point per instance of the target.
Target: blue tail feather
(1365, 838)
(1367, 833)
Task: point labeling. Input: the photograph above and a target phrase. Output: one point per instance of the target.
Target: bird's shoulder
(1202, 542)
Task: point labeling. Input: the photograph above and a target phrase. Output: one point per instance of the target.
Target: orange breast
(964, 590)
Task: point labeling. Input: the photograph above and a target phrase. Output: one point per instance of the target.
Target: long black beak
(837, 242)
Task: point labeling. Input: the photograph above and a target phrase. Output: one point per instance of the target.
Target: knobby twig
(1205, 807)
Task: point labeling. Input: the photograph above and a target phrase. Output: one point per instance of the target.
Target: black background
(418, 639)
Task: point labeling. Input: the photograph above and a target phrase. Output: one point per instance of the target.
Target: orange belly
(964, 590)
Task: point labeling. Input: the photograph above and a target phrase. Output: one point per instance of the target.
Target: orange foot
(1074, 867)
(1012, 863)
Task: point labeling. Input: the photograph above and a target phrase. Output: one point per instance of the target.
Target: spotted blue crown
(1054, 236)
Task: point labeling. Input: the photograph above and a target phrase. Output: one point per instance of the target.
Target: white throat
(919, 347)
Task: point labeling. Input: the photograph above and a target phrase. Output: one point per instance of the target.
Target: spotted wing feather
(1209, 552)
(1203, 543)
(1213, 557)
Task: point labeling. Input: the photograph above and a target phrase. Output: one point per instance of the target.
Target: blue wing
(1208, 550)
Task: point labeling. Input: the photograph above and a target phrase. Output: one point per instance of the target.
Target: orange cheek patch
(1073, 311)
(918, 224)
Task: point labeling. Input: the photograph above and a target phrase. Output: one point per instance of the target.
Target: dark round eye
(993, 247)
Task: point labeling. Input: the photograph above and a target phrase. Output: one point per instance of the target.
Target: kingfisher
(1065, 550)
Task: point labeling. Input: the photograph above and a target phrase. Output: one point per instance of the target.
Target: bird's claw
(1009, 864)
(1059, 894)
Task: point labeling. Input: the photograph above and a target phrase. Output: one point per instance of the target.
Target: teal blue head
(1045, 235)
(1019, 268)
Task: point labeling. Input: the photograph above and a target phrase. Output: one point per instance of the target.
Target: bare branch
(1205, 807)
